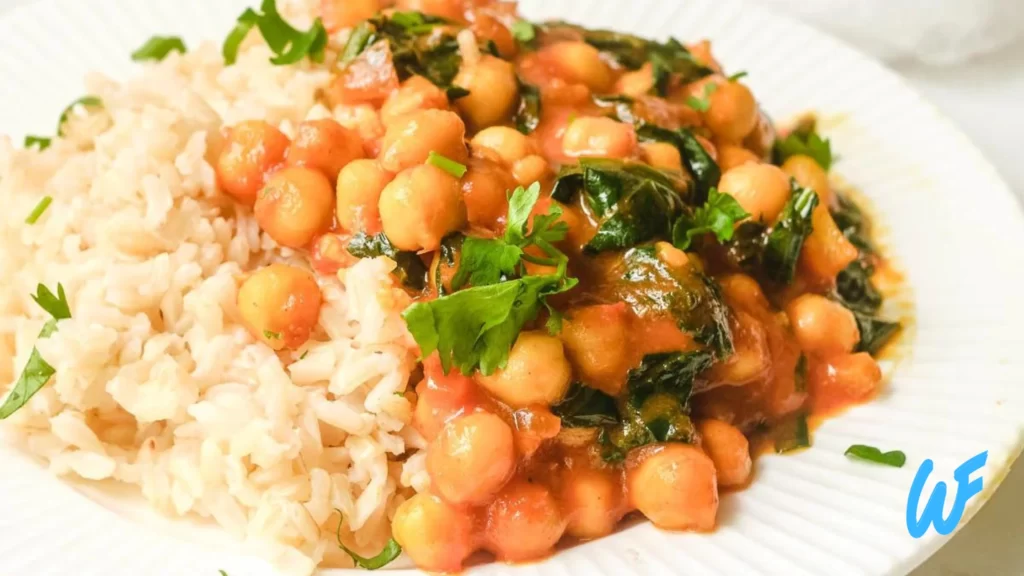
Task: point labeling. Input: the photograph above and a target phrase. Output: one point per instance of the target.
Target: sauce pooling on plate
(620, 272)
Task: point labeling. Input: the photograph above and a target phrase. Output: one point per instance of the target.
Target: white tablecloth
(986, 98)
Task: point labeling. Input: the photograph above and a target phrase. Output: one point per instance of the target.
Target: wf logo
(932, 513)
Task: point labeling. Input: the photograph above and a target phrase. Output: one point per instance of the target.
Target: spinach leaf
(666, 58)
(633, 202)
(853, 223)
(786, 238)
(875, 333)
(656, 407)
(698, 162)
(792, 434)
(620, 105)
(586, 407)
(417, 48)
(527, 116)
(410, 269)
(855, 289)
(693, 300)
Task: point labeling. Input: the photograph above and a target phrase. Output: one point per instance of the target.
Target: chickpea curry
(622, 276)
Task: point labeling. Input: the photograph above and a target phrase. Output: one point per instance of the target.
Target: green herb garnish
(475, 328)
(269, 335)
(409, 267)
(894, 458)
(527, 116)
(158, 47)
(39, 209)
(447, 164)
(792, 434)
(37, 372)
(288, 44)
(737, 76)
(391, 551)
(40, 142)
(804, 142)
(702, 104)
(718, 216)
(524, 31)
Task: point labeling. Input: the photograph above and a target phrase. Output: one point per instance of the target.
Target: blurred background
(966, 57)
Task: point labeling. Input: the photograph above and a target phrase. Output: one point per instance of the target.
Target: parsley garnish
(288, 44)
(475, 328)
(894, 458)
(158, 47)
(37, 372)
(271, 335)
(718, 215)
(40, 142)
(391, 551)
(702, 104)
(447, 164)
(524, 31)
(807, 144)
(38, 210)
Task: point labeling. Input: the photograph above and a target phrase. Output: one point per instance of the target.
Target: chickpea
(471, 458)
(731, 156)
(598, 137)
(592, 501)
(493, 91)
(636, 83)
(485, 189)
(580, 62)
(809, 174)
(412, 137)
(761, 189)
(743, 291)
(295, 206)
(839, 380)
(252, 149)
(420, 207)
(674, 485)
(597, 341)
(507, 143)
(531, 169)
(537, 372)
(338, 14)
(437, 536)
(523, 523)
(728, 449)
(662, 155)
(280, 305)
(360, 184)
(827, 251)
(324, 145)
(450, 9)
(822, 326)
(416, 93)
(733, 112)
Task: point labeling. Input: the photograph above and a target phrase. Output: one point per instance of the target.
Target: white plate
(953, 225)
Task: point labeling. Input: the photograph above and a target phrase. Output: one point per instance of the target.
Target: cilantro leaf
(718, 215)
(37, 372)
(40, 142)
(391, 551)
(702, 104)
(476, 327)
(524, 31)
(486, 261)
(288, 44)
(158, 47)
(806, 143)
(894, 458)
